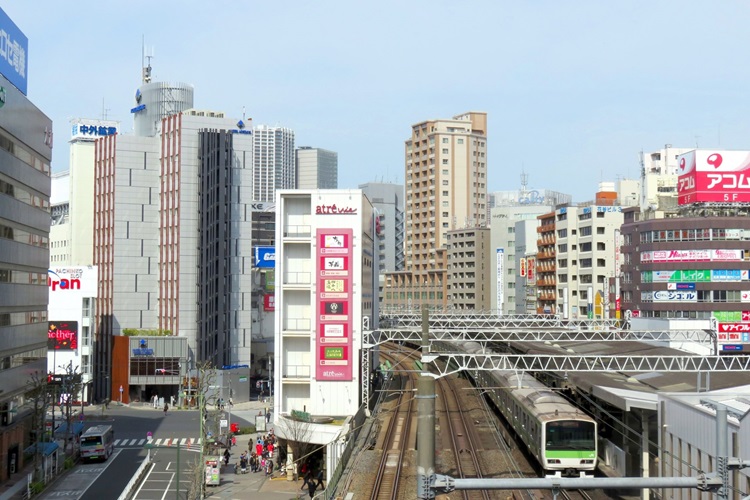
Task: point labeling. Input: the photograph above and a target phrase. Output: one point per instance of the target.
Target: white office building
(72, 303)
(325, 291)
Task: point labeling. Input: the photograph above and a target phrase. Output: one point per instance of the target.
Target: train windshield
(571, 435)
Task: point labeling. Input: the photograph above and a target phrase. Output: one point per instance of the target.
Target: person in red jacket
(270, 449)
(259, 448)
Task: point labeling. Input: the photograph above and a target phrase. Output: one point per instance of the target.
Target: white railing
(302, 278)
(297, 324)
(296, 371)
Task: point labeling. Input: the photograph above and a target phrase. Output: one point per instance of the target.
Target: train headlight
(553, 461)
(587, 462)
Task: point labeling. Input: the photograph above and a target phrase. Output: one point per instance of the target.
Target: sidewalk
(244, 485)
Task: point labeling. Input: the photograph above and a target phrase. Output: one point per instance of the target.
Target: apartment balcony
(545, 254)
(546, 281)
(546, 240)
(297, 231)
(296, 371)
(297, 326)
(546, 228)
(547, 296)
(297, 278)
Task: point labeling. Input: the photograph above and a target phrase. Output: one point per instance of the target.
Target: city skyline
(567, 88)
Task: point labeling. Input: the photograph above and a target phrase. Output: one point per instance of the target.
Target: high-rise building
(446, 189)
(316, 168)
(172, 241)
(25, 156)
(388, 202)
(273, 162)
(469, 258)
(576, 259)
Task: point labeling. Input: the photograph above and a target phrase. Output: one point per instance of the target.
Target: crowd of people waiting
(259, 457)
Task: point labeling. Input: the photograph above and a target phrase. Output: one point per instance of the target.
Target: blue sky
(573, 90)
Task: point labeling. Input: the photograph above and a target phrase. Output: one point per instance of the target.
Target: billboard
(265, 257)
(14, 50)
(500, 270)
(692, 255)
(62, 336)
(334, 300)
(531, 271)
(706, 175)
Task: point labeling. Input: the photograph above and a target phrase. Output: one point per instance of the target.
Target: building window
(445, 162)
(562, 233)
(445, 151)
(586, 231)
(585, 247)
(599, 230)
(562, 248)
(445, 140)
(445, 193)
(460, 141)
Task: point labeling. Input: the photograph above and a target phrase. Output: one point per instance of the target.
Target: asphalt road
(94, 481)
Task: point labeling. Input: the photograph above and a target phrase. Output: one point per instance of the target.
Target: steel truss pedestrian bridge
(443, 330)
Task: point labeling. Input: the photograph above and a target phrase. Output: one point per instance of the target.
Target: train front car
(569, 444)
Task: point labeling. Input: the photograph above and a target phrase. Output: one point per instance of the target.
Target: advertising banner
(522, 267)
(62, 336)
(706, 175)
(14, 52)
(530, 270)
(269, 302)
(670, 296)
(680, 286)
(500, 256)
(716, 255)
(334, 308)
(265, 257)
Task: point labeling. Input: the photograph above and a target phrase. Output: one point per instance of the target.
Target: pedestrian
(259, 447)
(268, 417)
(226, 457)
(269, 447)
(171, 400)
(234, 440)
(269, 467)
(308, 477)
(319, 478)
(166, 408)
(311, 489)
(155, 401)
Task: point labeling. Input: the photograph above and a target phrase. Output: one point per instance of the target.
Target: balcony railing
(297, 231)
(297, 324)
(296, 371)
(302, 278)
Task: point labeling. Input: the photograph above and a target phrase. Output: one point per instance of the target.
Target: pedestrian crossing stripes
(129, 443)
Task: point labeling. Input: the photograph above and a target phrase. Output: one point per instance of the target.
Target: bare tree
(198, 387)
(297, 429)
(39, 396)
(71, 386)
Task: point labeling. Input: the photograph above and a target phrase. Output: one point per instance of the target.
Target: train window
(570, 434)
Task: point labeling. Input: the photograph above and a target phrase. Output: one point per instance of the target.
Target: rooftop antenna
(104, 110)
(146, 73)
(524, 179)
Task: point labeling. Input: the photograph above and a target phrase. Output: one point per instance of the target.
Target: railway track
(575, 495)
(464, 440)
(395, 440)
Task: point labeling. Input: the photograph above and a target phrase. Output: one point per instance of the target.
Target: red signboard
(734, 327)
(269, 302)
(334, 304)
(530, 270)
(713, 176)
(62, 336)
(522, 270)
